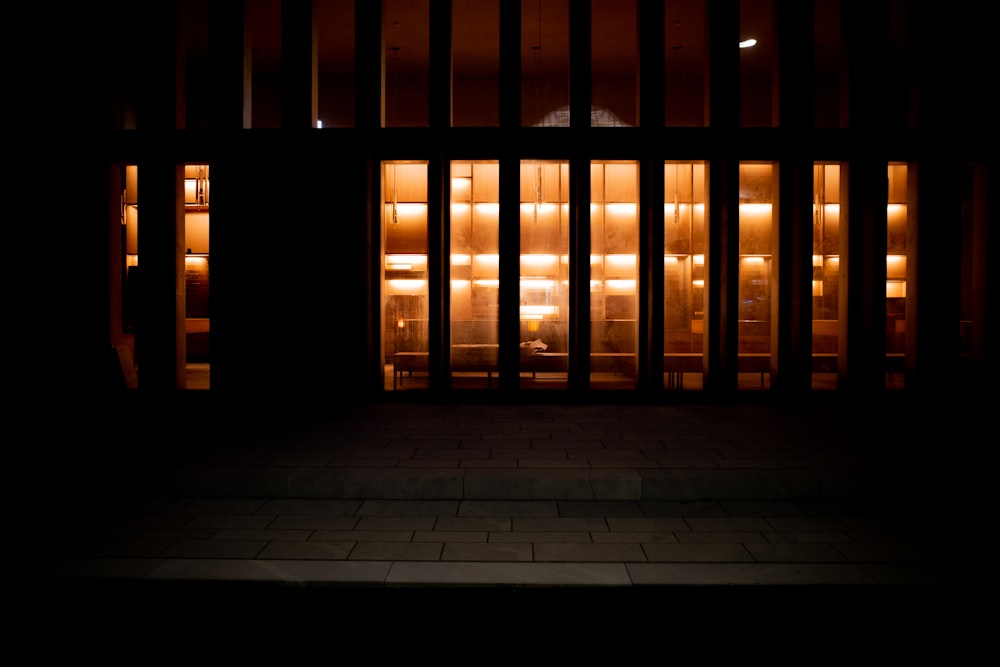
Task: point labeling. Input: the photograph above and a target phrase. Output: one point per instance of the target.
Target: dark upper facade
(305, 301)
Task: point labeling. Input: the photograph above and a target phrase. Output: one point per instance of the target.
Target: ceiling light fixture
(747, 43)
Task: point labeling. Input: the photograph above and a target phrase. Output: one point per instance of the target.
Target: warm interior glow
(488, 260)
(195, 259)
(895, 289)
(895, 266)
(752, 260)
(619, 286)
(817, 288)
(461, 189)
(697, 283)
(699, 260)
(755, 211)
(621, 261)
(539, 262)
(538, 312)
(537, 283)
(621, 209)
(406, 262)
(410, 211)
(540, 208)
(461, 259)
(669, 260)
(817, 260)
(406, 286)
(486, 282)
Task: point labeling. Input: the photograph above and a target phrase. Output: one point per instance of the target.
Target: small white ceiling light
(747, 43)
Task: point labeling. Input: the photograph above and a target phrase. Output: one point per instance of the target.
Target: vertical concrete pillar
(722, 21)
(510, 174)
(160, 345)
(231, 114)
(861, 362)
(439, 212)
(934, 224)
(791, 332)
(579, 196)
(651, 121)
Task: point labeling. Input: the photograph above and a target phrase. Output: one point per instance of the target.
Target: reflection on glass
(404, 271)
(406, 35)
(545, 62)
(685, 63)
(475, 82)
(475, 272)
(544, 273)
(335, 45)
(826, 62)
(614, 63)
(683, 274)
(754, 311)
(825, 274)
(614, 308)
(756, 63)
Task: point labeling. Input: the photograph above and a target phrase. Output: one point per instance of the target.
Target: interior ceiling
(406, 33)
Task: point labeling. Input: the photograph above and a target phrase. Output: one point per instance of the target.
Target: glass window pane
(404, 271)
(895, 275)
(756, 225)
(825, 275)
(475, 273)
(406, 33)
(614, 63)
(335, 38)
(475, 82)
(686, 63)
(684, 294)
(264, 19)
(545, 62)
(614, 272)
(827, 37)
(756, 63)
(544, 274)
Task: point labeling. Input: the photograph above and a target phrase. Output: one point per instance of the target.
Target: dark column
(438, 271)
(231, 65)
(368, 54)
(933, 275)
(509, 306)
(229, 49)
(791, 322)
(160, 330)
(722, 22)
(985, 214)
(862, 349)
(934, 239)
(579, 273)
(299, 64)
(861, 362)
(651, 115)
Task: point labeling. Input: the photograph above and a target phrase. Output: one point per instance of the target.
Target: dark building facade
(437, 197)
